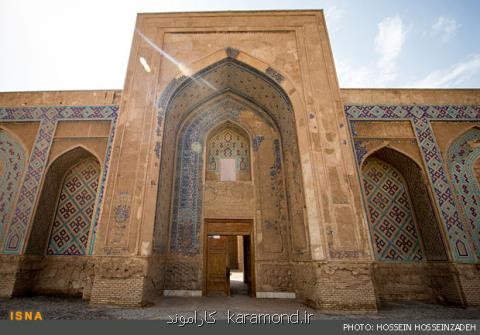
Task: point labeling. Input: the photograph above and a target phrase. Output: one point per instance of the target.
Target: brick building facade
(237, 126)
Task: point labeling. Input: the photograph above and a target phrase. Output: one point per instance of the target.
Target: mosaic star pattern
(461, 158)
(392, 225)
(420, 116)
(75, 208)
(29, 189)
(12, 166)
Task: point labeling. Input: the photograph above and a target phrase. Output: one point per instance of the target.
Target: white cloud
(333, 16)
(453, 76)
(389, 42)
(353, 77)
(445, 28)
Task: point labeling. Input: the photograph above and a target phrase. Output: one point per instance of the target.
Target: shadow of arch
(387, 147)
(47, 205)
(74, 147)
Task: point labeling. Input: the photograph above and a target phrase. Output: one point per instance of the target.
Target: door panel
(247, 278)
(218, 281)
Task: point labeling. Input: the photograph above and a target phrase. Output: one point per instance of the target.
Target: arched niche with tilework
(62, 223)
(12, 168)
(463, 162)
(402, 221)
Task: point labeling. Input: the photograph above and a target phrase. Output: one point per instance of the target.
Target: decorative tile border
(420, 116)
(30, 189)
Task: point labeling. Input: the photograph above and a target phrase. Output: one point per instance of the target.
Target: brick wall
(8, 270)
(120, 281)
(336, 286)
(469, 276)
(118, 291)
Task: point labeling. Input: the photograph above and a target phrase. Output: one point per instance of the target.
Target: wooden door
(247, 271)
(218, 275)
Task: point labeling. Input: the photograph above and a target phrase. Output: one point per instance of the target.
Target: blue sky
(67, 45)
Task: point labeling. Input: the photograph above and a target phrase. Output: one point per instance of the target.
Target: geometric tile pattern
(420, 117)
(73, 216)
(392, 224)
(48, 116)
(461, 158)
(228, 143)
(12, 167)
(476, 170)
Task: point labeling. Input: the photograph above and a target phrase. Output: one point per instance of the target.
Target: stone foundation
(426, 281)
(337, 286)
(183, 274)
(327, 286)
(274, 277)
(445, 283)
(45, 275)
(120, 281)
(469, 278)
(8, 271)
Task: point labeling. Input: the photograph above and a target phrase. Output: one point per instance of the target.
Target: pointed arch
(231, 73)
(70, 187)
(194, 70)
(75, 207)
(414, 183)
(393, 225)
(13, 162)
(72, 149)
(462, 156)
(389, 146)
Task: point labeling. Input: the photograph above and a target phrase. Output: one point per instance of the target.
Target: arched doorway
(265, 188)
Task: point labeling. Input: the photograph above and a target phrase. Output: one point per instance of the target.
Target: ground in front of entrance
(73, 308)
